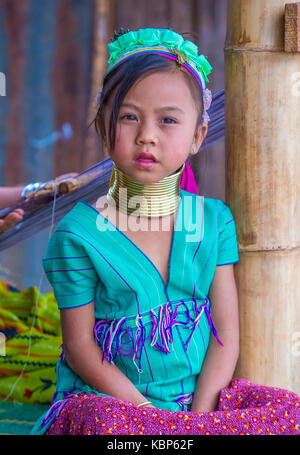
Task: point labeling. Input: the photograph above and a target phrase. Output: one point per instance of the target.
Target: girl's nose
(146, 135)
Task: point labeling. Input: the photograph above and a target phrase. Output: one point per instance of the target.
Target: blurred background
(53, 56)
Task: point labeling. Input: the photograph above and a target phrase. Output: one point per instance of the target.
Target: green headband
(163, 42)
(160, 41)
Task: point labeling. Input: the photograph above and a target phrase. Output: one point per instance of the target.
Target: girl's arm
(220, 361)
(85, 357)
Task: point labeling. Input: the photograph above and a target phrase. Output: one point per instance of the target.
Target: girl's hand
(11, 220)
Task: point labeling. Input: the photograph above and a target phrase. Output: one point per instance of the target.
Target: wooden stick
(74, 183)
(65, 186)
(292, 27)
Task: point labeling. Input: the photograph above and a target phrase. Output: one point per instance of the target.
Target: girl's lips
(145, 156)
(142, 162)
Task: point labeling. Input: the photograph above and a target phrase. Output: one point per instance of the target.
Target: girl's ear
(199, 137)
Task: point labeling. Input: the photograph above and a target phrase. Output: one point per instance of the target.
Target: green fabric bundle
(30, 345)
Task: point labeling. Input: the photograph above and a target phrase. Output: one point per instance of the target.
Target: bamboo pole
(263, 189)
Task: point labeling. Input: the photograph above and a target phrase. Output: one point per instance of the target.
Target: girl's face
(158, 117)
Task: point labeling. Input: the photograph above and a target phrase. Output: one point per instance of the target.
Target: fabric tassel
(162, 326)
(139, 340)
(111, 334)
(161, 336)
(185, 401)
(197, 320)
(211, 325)
(56, 408)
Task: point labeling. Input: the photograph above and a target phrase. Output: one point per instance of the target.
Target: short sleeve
(227, 240)
(69, 270)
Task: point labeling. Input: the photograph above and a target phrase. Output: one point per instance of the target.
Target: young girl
(144, 279)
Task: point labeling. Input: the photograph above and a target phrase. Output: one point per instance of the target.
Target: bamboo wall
(263, 189)
(53, 54)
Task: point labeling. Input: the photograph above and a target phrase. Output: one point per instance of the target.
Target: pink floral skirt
(244, 408)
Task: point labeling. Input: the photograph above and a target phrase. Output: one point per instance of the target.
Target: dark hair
(119, 81)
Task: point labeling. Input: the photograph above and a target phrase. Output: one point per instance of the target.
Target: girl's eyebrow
(163, 108)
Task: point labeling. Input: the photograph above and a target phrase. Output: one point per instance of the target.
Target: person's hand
(10, 220)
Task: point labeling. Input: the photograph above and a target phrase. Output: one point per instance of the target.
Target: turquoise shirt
(157, 333)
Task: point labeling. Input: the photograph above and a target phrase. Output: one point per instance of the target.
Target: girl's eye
(168, 120)
(128, 117)
(131, 117)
